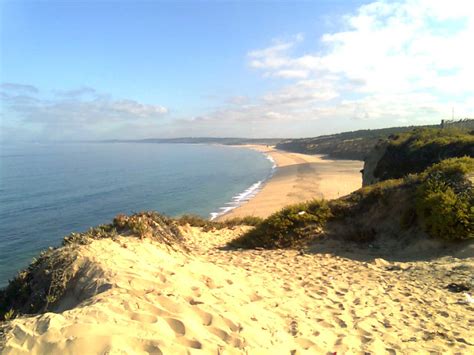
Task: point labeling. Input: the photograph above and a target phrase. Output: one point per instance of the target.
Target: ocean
(49, 191)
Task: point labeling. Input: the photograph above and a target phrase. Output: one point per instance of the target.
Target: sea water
(49, 191)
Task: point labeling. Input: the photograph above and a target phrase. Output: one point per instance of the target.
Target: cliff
(359, 144)
(414, 151)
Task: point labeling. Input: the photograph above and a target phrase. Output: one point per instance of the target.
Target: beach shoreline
(297, 178)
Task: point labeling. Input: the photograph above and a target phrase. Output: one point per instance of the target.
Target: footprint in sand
(206, 317)
(304, 343)
(209, 282)
(169, 304)
(232, 326)
(254, 297)
(143, 317)
(325, 324)
(190, 343)
(152, 349)
(177, 326)
(223, 335)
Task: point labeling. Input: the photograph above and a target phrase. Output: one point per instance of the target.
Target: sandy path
(215, 301)
(300, 177)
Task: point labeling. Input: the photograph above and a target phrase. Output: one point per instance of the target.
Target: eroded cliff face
(370, 164)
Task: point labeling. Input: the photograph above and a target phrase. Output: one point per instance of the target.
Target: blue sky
(123, 69)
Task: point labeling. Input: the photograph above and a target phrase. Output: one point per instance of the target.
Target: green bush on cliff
(291, 227)
(445, 199)
(415, 151)
(207, 225)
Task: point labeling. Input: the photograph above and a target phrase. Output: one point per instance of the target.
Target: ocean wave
(245, 196)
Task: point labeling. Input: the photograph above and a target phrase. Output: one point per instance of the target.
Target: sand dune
(138, 296)
(299, 178)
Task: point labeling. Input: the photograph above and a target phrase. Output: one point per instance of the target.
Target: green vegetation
(99, 232)
(292, 227)
(357, 144)
(413, 152)
(207, 225)
(35, 289)
(348, 145)
(445, 200)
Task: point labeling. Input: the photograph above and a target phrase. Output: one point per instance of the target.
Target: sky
(75, 70)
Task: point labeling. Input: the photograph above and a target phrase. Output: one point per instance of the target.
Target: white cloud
(406, 60)
(393, 63)
(74, 112)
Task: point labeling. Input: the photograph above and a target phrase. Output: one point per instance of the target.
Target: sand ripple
(258, 302)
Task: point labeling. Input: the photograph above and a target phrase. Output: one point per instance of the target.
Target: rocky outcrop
(370, 164)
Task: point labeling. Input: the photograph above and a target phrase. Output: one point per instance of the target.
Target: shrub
(415, 151)
(37, 288)
(292, 227)
(193, 220)
(445, 200)
(99, 232)
(207, 225)
(246, 221)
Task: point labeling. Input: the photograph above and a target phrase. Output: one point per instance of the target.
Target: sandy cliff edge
(157, 300)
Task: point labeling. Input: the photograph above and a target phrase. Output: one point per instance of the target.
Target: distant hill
(357, 144)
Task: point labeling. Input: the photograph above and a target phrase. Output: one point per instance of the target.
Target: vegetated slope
(348, 145)
(414, 151)
(357, 144)
(436, 204)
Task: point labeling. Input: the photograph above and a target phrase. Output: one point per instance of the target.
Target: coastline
(296, 178)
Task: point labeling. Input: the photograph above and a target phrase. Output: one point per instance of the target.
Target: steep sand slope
(156, 300)
(299, 178)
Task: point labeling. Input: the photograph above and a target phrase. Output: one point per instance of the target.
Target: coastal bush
(415, 151)
(378, 192)
(38, 287)
(208, 225)
(379, 195)
(445, 199)
(244, 221)
(291, 227)
(99, 232)
(149, 225)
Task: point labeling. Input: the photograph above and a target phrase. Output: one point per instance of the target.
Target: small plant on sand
(9, 315)
(292, 227)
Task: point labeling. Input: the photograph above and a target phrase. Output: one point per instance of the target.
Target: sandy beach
(298, 178)
(143, 297)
